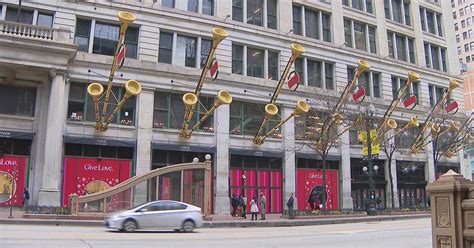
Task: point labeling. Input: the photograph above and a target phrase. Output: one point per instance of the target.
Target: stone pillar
(447, 196)
(289, 160)
(144, 137)
(285, 16)
(388, 189)
(221, 164)
(464, 168)
(345, 169)
(430, 170)
(49, 194)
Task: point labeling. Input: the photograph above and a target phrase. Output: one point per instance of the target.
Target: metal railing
(33, 31)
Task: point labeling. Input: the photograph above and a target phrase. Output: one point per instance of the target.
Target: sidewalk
(218, 221)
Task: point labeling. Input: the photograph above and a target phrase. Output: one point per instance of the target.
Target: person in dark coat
(26, 196)
(312, 201)
(244, 207)
(290, 206)
(235, 204)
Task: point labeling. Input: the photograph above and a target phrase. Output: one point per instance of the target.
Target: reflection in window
(246, 117)
(205, 49)
(208, 7)
(255, 12)
(166, 48)
(186, 51)
(18, 101)
(106, 37)
(272, 65)
(237, 59)
(26, 16)
(237, 10)
(255, 62)
(81, 37)
(193, 5)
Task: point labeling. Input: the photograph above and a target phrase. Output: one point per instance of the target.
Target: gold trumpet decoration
(271, 109)
(191, 99)
(420, 141)
(132, 87)
(362, 66)
(411, 124)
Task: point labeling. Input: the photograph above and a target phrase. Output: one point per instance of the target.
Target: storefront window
(10, 146)
(169, 112)
(81, 105)
(411, 184)
(245, 118)
(94, 151)
(360, 183)
(17, 100)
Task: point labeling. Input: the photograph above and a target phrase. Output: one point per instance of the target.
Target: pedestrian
(379, 203)
(312, 201)
(254, 209)
(239, 206)
(244, 207)
(234, 204)
(25, 197)
(263, 204)
(290, 206)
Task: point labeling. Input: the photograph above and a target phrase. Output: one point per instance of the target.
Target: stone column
(388, 189)
(221, 161)
(49, 194)
(289, 160)
(430, 170)
(345, 170)
(144, 137)
(464, 168)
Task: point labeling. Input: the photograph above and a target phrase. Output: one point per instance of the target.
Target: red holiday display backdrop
(269, 182)
(79, 172)
(308, 178)
(12, 166)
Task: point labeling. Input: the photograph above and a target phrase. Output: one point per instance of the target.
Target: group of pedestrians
(239, 206)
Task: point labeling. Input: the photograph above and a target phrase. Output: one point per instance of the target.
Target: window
(308, 126)
(433, 22)
(466, 47)
(398, 11)
(165, 53)
(360, 36)
(454, 15)
(168, 3)
(45, 20)
(458, 38)
(398, 82)
(26, 16)
(253, 11)
(168, 112)
(404, 47)
(468, 59)
(459, 50)
(193, 5)
(81, 106)
(472, 45)
(205, 49)
(464, 35)
(185, 51)
(208, 7)
(317, 24)
(456, 27)
(436, 93)
(17, 100)
(105, 38)
(369, 79)
(470, 33)
(95, 151)
(364, 5)
(435, 57)
(461, 12)
(463, 23)
(245, 119)
(11, 146)
(318, 73)
(256, 62)
(468, 21)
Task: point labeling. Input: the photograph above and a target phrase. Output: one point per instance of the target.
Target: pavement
(412, 233)
(217, 221)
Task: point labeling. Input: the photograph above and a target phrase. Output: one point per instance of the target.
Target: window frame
(265, 13)
(322, 25)
(365, 30)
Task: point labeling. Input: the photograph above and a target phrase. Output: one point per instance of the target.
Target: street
(403, 233)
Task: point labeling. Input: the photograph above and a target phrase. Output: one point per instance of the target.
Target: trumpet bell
(133, 87)
(413, 122)
(435, 128)
(455, 127)
(296, 50)
(224, 97)
(189, 99)
(126, 17)
(338, 118)
(413, 76)
(271, 109)
(95, 90)
(453, 84)
(218, 34)
(301, 107)
(392, 123)
(363, 65)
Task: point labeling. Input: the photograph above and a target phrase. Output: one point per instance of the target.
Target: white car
(157, 215)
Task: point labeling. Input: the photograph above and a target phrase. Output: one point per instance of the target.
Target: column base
(139, 194)
(347, 203)
(49, 197)
(222, 205)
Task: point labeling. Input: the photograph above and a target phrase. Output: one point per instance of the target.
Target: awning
(16, 134)
(256, 153)
(317, 156)
(99, 141)
(183, 147)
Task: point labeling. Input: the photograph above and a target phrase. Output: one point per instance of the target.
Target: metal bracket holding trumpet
(96, 90)
(190, 100)
(271, 109)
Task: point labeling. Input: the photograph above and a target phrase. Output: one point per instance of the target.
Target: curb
(227, 224)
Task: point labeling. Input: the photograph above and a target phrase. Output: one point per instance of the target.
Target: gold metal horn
(413, 76)
(296, 50)
(453, 84)
(189, 99)
(301, 107)
(338, 118)
(454, 126)
(95, 90)
(363, 66)
(271, 109)
(133, 87)
(435, 128)
(392, 123)
(218, 34)
(223, 97)
(413, 122)
(125, 19)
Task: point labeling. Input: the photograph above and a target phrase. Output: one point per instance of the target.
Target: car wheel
(177, 230)
(129, 225)
(188, 226)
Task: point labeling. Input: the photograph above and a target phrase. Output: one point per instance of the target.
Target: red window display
(13, 179)
(90, 175)
(309, 183)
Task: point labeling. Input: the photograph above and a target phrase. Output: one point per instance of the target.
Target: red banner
(309, 182)
(12, 180)
(90, 175)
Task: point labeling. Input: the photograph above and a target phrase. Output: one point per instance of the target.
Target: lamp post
(369, 118)
(12, 193)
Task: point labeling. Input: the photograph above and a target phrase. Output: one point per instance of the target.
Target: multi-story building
(51, 50)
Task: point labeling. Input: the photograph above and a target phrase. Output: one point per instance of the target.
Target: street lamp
(369, 121)
(12, 194)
